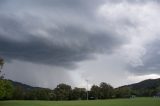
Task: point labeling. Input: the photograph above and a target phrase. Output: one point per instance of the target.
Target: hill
(146, 84)
(24, 86)
(146, 88)
(20, 91)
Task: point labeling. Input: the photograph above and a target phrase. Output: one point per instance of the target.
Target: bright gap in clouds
(138, 78)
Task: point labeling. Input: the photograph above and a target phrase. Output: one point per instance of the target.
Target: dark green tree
(78, 94)
(95, 92)
(123, 92)
(106, 91)
(52, 95)
(158, 89)
(1, 66)
(18, 93)
(39, 94)
(63, 92)
(6, 88)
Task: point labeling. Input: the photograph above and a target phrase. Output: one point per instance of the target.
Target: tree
(18, 93)
(106, 91)
(39, 94)
(6, 89)
(52, 95)
(63, 92)
(1, 66)
(158, 89)
(1, 62)
(95, 92)
(78, 94)
(123, 92)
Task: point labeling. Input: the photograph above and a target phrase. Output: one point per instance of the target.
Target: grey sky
(46, 42)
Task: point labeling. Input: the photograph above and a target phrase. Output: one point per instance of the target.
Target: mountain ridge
(145, 84)
(148, 83)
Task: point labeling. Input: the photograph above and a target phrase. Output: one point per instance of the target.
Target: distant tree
(39, 94)
(158, 89)
(63, 92)
(1, 62)
(52, 95)
(18, 93)
(95, 92)
(6, 89)
(123, 92)
(2, 89)
(78, 94)
(106, 91)
(21, 93)
(1, 66)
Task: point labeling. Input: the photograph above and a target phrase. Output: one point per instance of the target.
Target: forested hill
(23, 86)
(14, 83)
(146, 84)
(20, 91)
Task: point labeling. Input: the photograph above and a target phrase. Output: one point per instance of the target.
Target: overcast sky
(47, 42)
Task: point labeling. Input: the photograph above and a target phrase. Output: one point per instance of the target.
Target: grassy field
(115, 102)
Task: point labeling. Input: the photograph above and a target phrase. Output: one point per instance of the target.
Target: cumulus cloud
(138, 21)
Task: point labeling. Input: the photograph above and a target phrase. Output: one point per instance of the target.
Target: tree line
(66, 92)
(61, 92)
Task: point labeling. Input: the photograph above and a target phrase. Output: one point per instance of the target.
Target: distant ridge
(146, 84)
(23, 86)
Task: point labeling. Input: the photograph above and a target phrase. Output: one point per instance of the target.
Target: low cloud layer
(105, 38)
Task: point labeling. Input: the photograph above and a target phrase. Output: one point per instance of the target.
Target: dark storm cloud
(41, 39)
(38, 51)
(29, 34)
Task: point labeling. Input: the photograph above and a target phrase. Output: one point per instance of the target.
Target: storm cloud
(105, 39)
(50, 35)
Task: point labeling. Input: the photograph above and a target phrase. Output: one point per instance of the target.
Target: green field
(113, 102)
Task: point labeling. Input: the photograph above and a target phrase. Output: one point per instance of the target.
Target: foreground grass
(114, 102)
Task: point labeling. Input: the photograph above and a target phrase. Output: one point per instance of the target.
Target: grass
(113, 102)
